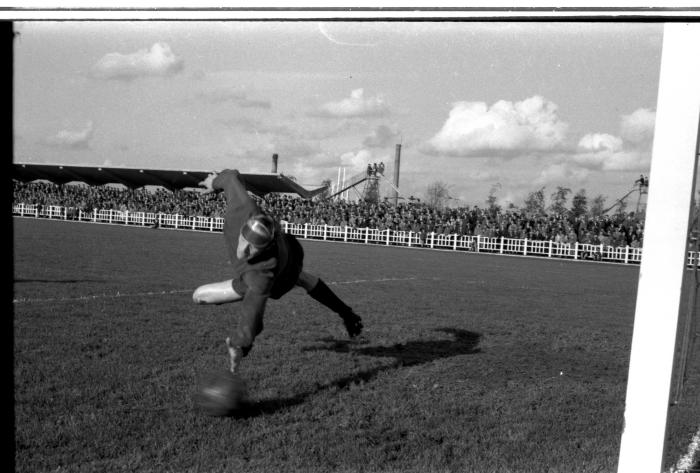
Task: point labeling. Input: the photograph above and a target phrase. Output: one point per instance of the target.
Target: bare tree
(534, 203)
(491, 200)
(558, 205)
(621, 208)
(437, 194)
(579, 204)
(597, 206)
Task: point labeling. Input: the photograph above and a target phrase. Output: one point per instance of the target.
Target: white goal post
(671, 181)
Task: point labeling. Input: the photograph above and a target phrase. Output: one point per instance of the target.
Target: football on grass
(221, 393)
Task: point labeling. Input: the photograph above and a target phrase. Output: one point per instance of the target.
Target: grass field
(469, 362)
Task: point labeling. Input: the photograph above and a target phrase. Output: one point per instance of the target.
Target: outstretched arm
(230, 182)
(239, 205)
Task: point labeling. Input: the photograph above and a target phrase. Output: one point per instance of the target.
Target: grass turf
(469, 362)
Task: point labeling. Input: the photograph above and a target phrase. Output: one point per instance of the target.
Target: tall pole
(344, 193)
(274, 163)
(337, 187)
(397, 165)
(671, 179)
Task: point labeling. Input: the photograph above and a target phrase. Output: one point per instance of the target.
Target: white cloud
(357, 105)
(303, 161)
(630, 152)
(628, 161)
(484, 174)
(324, 167)
(157, 61)
(381, 137)
(73, 139)
(594, 142)
(561, 174)
(603, 152)
(608, 160)
(356, 161)
(504, 129)
(638, 126)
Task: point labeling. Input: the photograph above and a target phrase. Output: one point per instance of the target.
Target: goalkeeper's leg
(318, 290)
(235, 354)
(216, 293)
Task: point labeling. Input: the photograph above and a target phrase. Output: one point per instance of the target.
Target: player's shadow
(411, 353)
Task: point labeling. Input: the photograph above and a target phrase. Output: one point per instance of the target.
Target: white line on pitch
(175, 291)
(100, 296)
(360, 281)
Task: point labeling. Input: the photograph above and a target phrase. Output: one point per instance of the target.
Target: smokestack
(397, 165)
(274, 163)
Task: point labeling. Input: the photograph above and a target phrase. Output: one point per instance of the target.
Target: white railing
(478, 243)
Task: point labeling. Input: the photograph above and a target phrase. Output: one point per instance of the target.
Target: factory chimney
(274, 163)
(397, 164)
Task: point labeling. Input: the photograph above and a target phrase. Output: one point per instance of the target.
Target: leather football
(221, 393)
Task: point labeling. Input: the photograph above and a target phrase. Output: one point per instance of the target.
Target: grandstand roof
(259, 184)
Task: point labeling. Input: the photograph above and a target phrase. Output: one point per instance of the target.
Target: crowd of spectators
(88, 198)
(615, 230)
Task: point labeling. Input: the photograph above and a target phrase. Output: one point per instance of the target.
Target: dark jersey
(274, 271)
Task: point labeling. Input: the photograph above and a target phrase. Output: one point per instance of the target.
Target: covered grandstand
(133, 178)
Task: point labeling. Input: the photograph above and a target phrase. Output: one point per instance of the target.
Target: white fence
(145, 219)
(370, 236)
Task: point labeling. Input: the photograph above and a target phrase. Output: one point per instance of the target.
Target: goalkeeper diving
(267, 263)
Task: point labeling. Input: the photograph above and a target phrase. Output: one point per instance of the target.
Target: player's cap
(259, 230)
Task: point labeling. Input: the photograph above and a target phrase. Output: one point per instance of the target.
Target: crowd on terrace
(620, 229)
(87, 198)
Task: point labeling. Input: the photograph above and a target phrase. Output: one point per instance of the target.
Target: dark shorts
(288, 276)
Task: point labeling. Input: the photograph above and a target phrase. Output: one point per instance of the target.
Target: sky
(482, 107)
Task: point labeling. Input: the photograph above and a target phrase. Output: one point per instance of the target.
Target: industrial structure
(366, 184)
(641, 189)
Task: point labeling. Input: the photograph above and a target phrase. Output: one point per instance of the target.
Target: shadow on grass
(411, 353)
